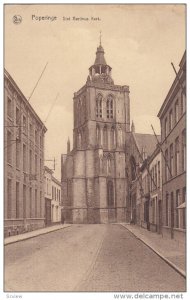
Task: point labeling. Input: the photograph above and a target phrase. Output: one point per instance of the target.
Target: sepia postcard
(94, 151)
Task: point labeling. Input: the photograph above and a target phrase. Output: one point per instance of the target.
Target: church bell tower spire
(100, 71)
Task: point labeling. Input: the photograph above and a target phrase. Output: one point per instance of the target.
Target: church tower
(94, 184)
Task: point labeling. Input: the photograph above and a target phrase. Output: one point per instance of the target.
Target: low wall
(18, 226)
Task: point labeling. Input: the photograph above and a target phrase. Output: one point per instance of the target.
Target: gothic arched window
(110, 194)
(99, 106)
(120, 136)
(109, 107)
(79, 111)
(109, 164)
(84, 106)
(112, 140)
(105, 137)
(98, 135)
(133, 167)
(83, 137)
(79, 140)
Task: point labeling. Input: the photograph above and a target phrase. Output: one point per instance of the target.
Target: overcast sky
(140, 42)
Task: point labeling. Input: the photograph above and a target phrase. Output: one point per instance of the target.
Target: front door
(159, 216)
(147, 214)
(172, 215)
(48, 211)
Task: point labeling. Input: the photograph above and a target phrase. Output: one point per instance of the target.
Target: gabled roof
(146, 143)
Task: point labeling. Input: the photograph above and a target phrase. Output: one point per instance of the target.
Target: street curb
(30, 237)
(180, 271)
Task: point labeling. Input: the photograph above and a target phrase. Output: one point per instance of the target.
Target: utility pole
(162, 152)
(177, 76)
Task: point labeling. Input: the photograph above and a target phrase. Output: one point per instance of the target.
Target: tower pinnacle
(133, 127)
(68, 145)
(100, 38)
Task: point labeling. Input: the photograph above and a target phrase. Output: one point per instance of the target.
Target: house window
(36, 137)
(158, 174)
(36, 164)
(171, 160)
(9, 108)
(176, 111)
(40, 203)
(166, 165)
(17, 115)
(99, 106)
(167, 210)
(30, 162)
(17, 154)
(36, 202)
(184, 210)
(24, 124)
(9, 147)
(31, 130)
(40, 167)
(183, 103)
(41, 141)
(48, 186)
(172, 209)
(156, 177)
(184, 150)
(153, 210)
(9, 198)
(170, 120)
(17, 199)
(177, 210)
(24, 158)
(166, 127)
(177, 155)
(24, 201)
(30, 202)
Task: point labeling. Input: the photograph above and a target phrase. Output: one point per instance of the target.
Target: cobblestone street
(87, 258)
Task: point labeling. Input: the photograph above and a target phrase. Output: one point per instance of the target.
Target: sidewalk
(169, 250)
(31, 234)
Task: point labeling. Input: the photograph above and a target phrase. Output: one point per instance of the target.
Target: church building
(94, 178)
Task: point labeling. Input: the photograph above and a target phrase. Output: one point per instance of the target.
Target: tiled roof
(146, 142)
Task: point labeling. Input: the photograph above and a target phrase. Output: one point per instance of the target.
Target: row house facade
(172, 116)
(48, 194)
(23, 162)
(139, 150)
(56, 205)
(155, 207)
(151, 217)
(158, 190)
(52, 189)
